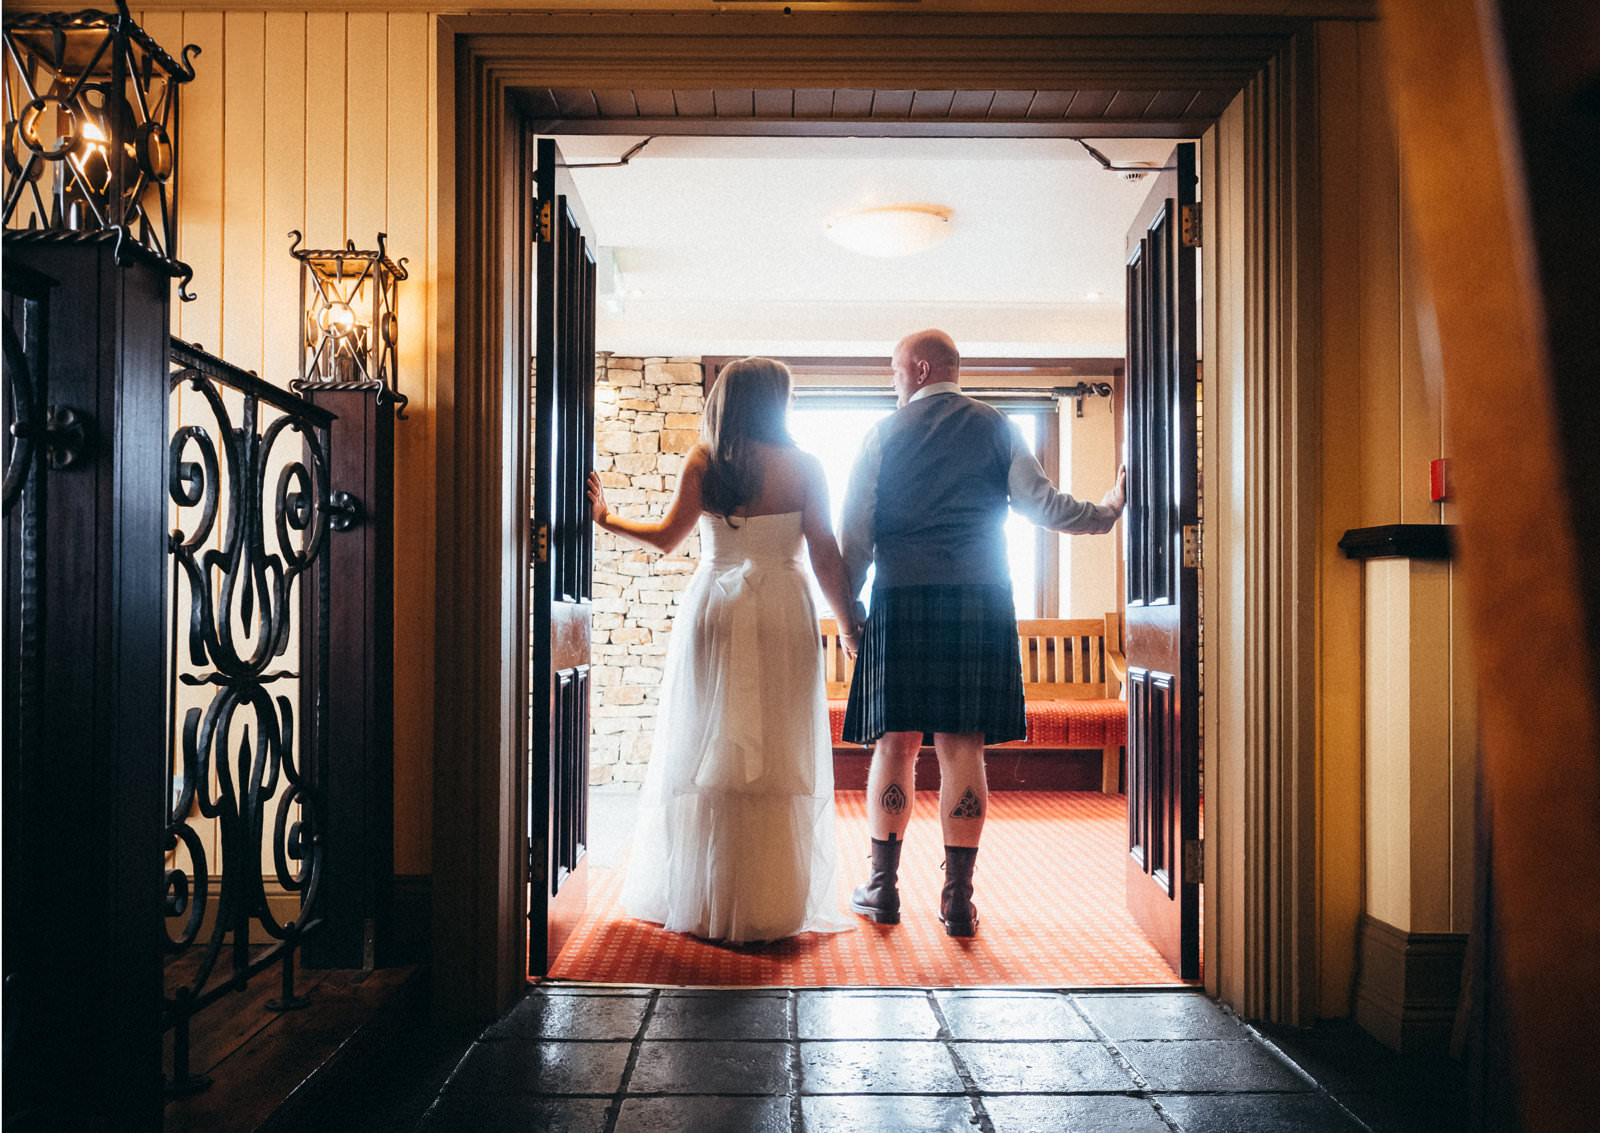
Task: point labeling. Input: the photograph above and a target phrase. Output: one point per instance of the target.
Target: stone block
(683, 421)
(625, 694)
(639, 675)
(672, 373)
(648, 421)
(635, 462)
(630, 635)
(636, 404)
(609, 710)
(646, 442)
(611, 478)
(678, 440)
(614, 440)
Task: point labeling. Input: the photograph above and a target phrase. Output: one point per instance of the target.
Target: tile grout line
(797, 1069)
(1294, 1065)
(614, 1110)
(974, 1095)
(1125, 1062)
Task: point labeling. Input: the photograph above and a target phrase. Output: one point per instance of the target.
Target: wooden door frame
(1263, 927)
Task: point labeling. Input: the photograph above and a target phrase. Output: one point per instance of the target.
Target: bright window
(834, 434)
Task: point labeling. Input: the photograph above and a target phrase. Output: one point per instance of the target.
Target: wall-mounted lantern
(347, 300)
(91, 129)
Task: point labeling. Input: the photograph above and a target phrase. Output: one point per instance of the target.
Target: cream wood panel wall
(323, 121)
(1382, 425)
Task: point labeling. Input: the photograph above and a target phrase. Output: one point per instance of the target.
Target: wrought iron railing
(248, 472)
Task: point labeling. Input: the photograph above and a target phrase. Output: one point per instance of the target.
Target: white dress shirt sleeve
(860, 503)
(1038, 500)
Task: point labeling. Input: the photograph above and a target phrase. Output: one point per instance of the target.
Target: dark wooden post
(357, 904)
(85, 704)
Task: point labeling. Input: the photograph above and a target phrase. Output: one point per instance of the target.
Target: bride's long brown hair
(748, 405)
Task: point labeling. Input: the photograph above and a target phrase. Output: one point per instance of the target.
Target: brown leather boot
(878, 900)
(956, 911)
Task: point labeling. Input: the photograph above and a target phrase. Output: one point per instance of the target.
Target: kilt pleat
(938, 659)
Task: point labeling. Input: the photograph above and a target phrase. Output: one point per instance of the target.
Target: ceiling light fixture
(890, 230)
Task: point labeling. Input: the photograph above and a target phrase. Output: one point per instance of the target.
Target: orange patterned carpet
(1049, 889)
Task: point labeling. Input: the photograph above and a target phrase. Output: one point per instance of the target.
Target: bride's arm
(824, 550)
(666, 533)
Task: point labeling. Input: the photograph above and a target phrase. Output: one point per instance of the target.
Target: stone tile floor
(881, 1060)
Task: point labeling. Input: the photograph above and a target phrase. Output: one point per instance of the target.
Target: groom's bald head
(923, 358)
(938, 350)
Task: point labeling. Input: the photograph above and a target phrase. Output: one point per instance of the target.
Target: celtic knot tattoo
(968, 807)
(893, 799)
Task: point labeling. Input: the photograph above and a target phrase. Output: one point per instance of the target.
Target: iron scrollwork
(249, 492)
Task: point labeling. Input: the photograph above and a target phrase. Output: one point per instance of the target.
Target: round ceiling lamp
(890, 230)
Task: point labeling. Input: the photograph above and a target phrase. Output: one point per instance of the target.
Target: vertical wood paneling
(200, 211)
(1421, 419)
(1378, 186)
(367, 134)
(244, 158)
(285, 204)
(1342, 641)
(409, 208)
(325, 129)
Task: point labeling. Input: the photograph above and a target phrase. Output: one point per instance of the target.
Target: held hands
(852, 639)
(597, 497)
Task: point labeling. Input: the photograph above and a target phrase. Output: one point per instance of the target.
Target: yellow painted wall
(324, 122)
(1090, 450)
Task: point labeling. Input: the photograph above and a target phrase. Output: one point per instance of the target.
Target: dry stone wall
(647, 418)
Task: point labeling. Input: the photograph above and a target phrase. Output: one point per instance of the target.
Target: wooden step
(273, 1071)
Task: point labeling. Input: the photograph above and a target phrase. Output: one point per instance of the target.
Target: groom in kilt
(926, 506)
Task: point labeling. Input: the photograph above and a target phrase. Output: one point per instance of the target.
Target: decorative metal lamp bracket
(325, 269)
(135, 125)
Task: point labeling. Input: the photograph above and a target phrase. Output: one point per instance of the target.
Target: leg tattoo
(968, 807)
(893, 799)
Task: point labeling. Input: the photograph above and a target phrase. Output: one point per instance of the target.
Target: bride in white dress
(735, 837)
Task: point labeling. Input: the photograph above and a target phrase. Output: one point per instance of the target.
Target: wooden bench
(1072, 673)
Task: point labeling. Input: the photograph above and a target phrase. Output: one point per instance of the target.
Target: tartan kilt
(938, 659)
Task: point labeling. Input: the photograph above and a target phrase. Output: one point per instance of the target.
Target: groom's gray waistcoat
(941, 504)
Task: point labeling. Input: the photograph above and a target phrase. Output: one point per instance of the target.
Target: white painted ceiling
(721, 249)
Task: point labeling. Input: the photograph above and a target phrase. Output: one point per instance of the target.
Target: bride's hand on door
(597, 498)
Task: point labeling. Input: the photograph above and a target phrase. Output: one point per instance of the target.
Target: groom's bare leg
(891, 784)
(963, 786)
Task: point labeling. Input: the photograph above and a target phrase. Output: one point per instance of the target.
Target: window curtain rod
(1011, 398)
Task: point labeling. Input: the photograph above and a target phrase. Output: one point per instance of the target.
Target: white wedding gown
(735, 835)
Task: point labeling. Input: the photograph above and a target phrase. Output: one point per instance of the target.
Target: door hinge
(1190, 225)
(1191, 545)
(541, 543)
(536, 863)
(546, 221)
(1194, 861)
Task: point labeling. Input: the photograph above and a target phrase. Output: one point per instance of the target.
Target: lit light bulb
(338, 320)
